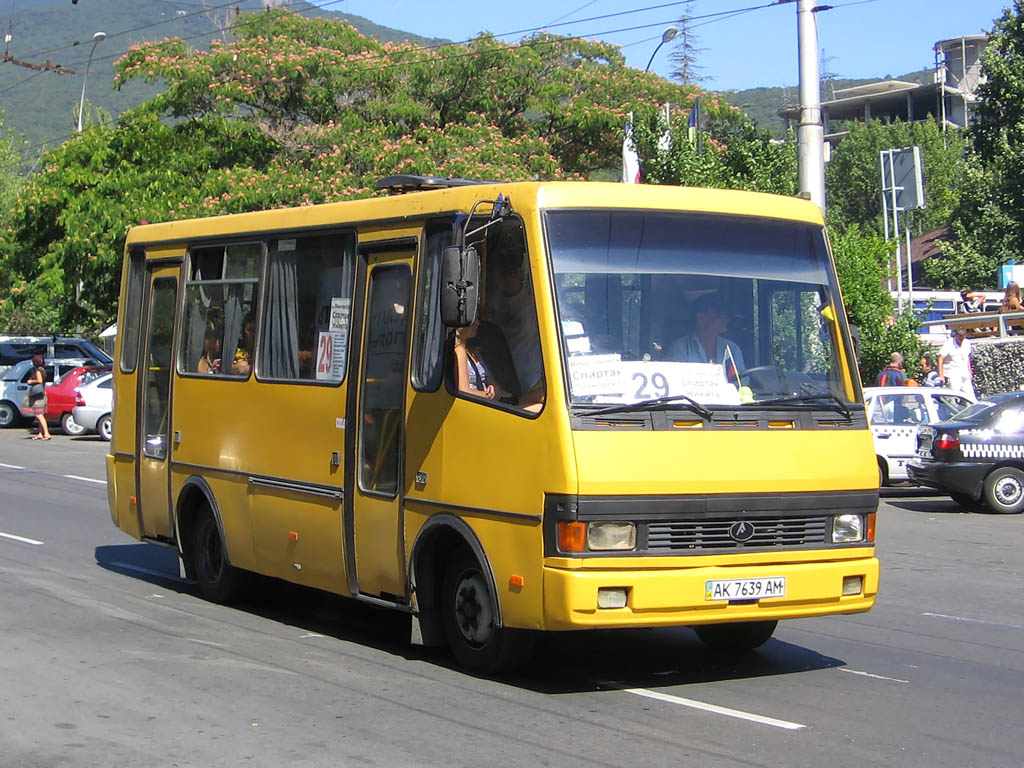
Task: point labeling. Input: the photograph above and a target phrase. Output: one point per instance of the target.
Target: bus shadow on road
(575, 662)
(564, 662)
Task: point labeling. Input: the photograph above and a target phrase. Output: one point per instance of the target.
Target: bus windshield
(725, 310)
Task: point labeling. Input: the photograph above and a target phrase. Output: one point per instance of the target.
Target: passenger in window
(511, 307)
(471, 373)
(210, 361)
(707, 344)
(242, 363)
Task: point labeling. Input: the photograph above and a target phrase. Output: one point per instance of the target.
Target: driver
(706, 344)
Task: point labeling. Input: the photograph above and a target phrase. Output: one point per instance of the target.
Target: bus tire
(469, 613)
(739, 636)
(219, 581)
(1004, 490)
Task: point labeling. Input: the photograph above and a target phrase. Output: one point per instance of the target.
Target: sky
(743, 48)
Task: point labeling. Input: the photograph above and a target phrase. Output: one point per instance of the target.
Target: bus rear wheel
(469, 613)
(741, 636)
(219, 581)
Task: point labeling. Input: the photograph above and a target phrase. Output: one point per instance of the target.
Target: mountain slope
(40, 106)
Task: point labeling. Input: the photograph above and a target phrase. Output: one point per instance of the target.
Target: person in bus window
(707, 344)
(471, 373)
(210, 361)
(242, 363)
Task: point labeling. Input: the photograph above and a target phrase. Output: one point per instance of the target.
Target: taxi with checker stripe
(977, 458)
(895, 413)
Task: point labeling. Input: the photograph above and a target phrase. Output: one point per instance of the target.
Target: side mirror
(460, 283)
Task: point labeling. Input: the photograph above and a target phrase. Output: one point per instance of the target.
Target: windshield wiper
(832, 402)
(687, 402)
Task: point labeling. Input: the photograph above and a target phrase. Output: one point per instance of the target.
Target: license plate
(744, 589)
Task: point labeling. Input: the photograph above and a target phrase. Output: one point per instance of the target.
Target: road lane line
(870, 674)
(713, 708)
(973, 621)
(85, 479)
(20, 538)
(11, 466)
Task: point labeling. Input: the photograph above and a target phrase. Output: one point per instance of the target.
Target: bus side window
(429, 332)
(308, 308)
(220, 305)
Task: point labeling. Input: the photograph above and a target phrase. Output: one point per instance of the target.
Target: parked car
(60, 397)
(895, 414)
(14, 389)
(93, 403)
(14, 349)
(978, 456)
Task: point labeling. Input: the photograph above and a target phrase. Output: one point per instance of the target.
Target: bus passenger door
(377, 412)
(154, 396)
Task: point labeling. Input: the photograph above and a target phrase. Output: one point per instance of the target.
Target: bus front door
(153, 426)
(376, 529)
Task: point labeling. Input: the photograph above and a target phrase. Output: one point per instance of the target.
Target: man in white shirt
(706, 344)
(955, 363)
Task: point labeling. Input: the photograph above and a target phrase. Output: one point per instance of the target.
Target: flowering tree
(299, 111)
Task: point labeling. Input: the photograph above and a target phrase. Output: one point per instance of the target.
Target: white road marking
(310, 634)
(11, 466)
(20, 538)
(973, 621)
(713, 708)
(869, 674)
(85, 479)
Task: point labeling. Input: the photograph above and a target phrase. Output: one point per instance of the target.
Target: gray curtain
(232, 326)
(281, 343)
(199, 308)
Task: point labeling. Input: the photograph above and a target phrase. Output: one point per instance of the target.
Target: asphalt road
(107, 659)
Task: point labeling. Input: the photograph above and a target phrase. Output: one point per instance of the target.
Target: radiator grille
(702, 535)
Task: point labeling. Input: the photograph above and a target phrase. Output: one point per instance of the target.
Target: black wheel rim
(473, 609)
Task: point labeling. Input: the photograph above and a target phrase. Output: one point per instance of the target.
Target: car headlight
(847, 528)
(608, 536)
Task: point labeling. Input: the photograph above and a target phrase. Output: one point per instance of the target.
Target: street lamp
(668, 34)
(97, 38)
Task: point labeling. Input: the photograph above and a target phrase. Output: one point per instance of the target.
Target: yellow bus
(503, 408)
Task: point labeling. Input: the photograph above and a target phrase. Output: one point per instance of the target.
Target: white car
(895, 414)
(93, 405)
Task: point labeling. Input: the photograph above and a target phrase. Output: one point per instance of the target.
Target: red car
(60, 397)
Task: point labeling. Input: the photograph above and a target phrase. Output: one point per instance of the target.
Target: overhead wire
(720, 15)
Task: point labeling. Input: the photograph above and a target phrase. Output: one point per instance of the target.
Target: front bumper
(675, 596)
(964, 477)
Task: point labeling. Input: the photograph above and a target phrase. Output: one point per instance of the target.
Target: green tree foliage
(861, 261)
(735, 154)
(852, 175)
(299, 111)
(989, 224)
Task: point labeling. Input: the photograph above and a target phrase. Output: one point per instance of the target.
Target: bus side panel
(495, 461)
(290, 534)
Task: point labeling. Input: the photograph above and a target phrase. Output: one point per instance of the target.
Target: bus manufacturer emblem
(741, 531)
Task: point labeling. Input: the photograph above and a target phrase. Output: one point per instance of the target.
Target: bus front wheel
(741, 636)
(218, 580)
(469, 612)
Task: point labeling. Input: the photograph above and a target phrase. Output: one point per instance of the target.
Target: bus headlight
(608, 536)
(847, 529)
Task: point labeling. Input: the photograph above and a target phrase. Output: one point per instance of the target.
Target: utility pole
(811, 132)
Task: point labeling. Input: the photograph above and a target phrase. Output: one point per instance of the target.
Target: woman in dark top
(37, 397)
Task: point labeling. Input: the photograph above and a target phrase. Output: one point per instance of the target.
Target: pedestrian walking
(955, 363)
